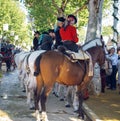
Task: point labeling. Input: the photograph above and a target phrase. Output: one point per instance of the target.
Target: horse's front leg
(80, 110)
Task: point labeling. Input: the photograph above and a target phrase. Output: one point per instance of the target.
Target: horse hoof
(32, 108)
(56, 95)
(61, 99)
(81, 117)
(24, 90)
(67, 106)
(76, 111)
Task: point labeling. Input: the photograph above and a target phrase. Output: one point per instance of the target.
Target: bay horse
(53, 66)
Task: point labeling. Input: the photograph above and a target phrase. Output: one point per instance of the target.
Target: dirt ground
(13, 105)
(106, 106)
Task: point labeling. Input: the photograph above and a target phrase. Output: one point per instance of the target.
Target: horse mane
(92, 43)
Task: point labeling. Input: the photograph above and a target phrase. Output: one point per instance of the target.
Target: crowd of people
(64, 33)
(7, 54)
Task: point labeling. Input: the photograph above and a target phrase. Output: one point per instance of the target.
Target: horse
(54, 66)
(25, 65)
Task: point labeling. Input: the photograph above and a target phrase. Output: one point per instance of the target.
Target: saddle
(74, 57)
(80, 55)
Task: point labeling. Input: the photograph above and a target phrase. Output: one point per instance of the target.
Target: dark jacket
(35, 43)
(58, 37)
(46, 42)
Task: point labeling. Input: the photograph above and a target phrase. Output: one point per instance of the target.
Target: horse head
(96, 48)
(101, 55)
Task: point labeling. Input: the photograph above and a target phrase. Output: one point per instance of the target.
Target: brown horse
(53, 66)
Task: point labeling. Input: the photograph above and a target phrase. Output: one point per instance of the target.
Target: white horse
(19, 58)
(26, 67)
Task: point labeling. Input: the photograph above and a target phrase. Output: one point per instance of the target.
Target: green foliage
(107, 30)
(11, 13)
(45, 12)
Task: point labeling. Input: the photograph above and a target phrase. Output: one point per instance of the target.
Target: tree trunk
(115, 31)
(99, 20)
(92, 28)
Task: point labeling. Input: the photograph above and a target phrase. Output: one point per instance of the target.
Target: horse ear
(96, 44)
(103, 43)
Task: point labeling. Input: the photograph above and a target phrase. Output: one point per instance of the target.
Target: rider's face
(36, 35)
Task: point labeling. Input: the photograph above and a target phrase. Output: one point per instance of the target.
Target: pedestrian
(118, 67)
(68, 34)
(114, 59)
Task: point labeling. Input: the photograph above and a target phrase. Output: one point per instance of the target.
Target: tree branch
(64, 4)
(55, 5)
(81, 8)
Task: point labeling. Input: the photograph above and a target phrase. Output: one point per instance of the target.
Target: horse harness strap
(72, 57)
(90, 65)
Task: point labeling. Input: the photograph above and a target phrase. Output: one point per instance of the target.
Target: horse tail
(37, 65)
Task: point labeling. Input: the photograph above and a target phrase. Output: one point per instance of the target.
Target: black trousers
(113, 78)
(70, 45)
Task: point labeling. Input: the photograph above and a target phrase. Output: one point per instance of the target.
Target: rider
(60, 23)
(36, 39)
(46, 40)
(68, 33)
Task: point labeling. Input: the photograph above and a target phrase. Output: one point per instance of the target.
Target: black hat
(51, 31)
(61, 19)
(37, 32)
(73, 17)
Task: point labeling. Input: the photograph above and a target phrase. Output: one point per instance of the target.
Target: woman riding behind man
(68, 33)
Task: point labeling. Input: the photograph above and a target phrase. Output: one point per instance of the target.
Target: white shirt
(114, 59)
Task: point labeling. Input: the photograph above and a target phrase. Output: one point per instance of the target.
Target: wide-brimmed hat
(61, 19)
(74, 17)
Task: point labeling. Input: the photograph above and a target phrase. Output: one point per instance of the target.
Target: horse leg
(29, 99)
(80, 110)
(44, 96)
(37, 98)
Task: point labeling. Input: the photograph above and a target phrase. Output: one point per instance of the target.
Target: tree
(11, 14)
(45, 12)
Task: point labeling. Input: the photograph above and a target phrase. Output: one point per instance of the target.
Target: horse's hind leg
(37, 93)
(80, 110)
(44, 96)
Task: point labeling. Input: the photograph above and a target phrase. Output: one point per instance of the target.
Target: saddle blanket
(81, 55)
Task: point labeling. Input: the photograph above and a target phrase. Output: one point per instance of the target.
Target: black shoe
(61, 99)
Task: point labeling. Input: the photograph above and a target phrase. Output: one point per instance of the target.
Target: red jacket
(69, 33)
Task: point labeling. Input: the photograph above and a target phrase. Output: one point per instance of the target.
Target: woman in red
(69, 35)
